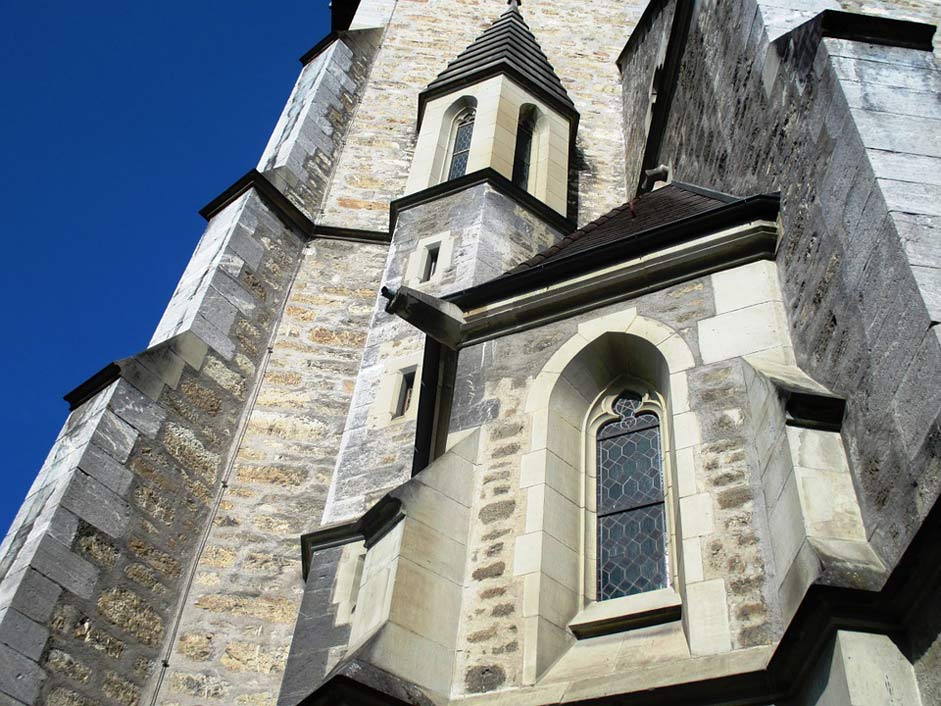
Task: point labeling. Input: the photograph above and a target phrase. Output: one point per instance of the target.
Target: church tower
(592, 363)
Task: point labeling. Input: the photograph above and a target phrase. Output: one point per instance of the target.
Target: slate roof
(663, 206)
(507, 45)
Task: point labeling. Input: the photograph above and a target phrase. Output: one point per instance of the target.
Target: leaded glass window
(462, 142)
(632, 534)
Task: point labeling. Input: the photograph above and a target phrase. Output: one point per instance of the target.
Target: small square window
(430, 263)
(404, 399)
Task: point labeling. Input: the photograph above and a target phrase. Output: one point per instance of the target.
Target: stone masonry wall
(830, 128)
(91, 596)
(236, 631)
(640, 61)
(489, 234)
(733, 542)
(847, 132)
(308, 138)
(421, 37)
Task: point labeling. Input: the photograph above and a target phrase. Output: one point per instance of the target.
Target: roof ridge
(673, 202)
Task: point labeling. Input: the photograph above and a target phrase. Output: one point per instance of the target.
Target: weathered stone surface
(131, 613)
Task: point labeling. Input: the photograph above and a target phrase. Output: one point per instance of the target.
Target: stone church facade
(564, 353)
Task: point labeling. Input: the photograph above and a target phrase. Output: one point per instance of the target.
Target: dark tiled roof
(668, 204)
(507, 44)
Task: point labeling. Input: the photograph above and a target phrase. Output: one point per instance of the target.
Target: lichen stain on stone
(490, 571)
(497, 511)
(479, 680)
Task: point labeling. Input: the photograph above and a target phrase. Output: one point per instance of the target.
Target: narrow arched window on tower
(460, 149)
(632, 534)
(525, 129)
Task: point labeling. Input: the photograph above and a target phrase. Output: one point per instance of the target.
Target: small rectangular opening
(431, 262)
(406, 388)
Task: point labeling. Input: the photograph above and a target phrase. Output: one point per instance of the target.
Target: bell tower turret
(498, 105)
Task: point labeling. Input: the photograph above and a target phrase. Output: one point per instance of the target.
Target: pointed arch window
(631, 521)
(460, 147)
(525, 130)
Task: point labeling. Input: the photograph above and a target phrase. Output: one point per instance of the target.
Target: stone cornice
(489, 176)
(286, 211)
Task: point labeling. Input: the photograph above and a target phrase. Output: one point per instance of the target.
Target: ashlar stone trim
(382, 411)
(565, 404)
(417, 262)
(498, 101)
(817, 529)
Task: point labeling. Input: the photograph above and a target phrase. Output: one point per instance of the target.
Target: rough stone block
(20, 677)
(103, 468)
(115, 436)
(137, 409)
(31, 593)
(98, 506)
(22, 634)
(57, 562)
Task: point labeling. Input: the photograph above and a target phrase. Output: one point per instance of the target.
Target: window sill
(627, 613)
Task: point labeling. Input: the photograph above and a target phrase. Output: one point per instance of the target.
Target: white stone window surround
(383, 410)
(613, 615)
(460, 109)
(537, 182)
(553, 555)
(417, 262)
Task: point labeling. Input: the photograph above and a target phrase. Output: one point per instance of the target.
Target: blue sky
(119, 121)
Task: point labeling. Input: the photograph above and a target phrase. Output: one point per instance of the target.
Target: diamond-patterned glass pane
(630, 472)
(464, 133)
(458, 165)
(632, 554)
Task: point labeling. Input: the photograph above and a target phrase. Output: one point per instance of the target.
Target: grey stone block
(59, 523)
(913, 198)
(928, 280)
(906, 167)
(213, 337)
(115, 436)
(218, 310)
(148, 383)
(921, 238)
(898, 133)
(57, 562)
(235, 293)
(190, 348)
(246, 247)
(98, 506)
(22, 634)
(163, 362)
(6, 700)
(890, 99)
(881, 73)
(897, 56)
(103, 468)
(31, 593)
(20, 677)
(138, 410)
(917, 403)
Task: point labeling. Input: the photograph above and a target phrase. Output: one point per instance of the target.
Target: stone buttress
(154, 558)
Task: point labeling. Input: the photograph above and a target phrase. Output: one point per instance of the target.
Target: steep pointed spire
(507, 46)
